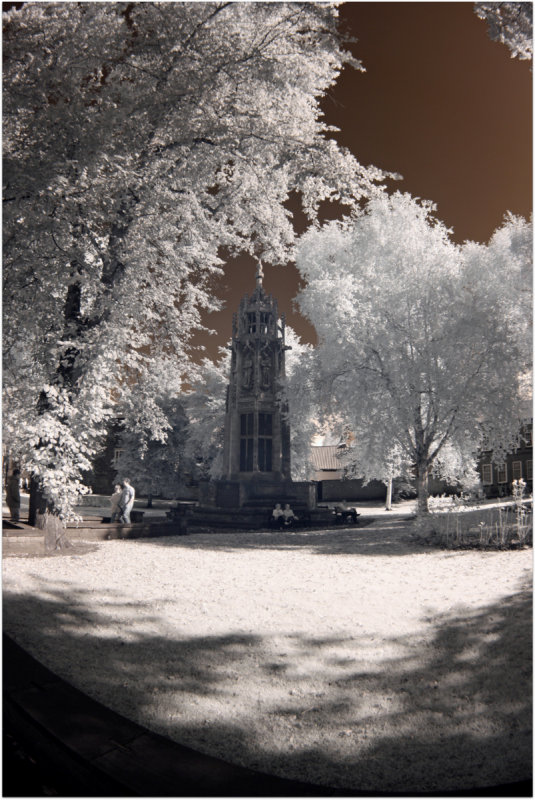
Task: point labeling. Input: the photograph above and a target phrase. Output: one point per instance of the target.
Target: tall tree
(419, 349)
(140, 139)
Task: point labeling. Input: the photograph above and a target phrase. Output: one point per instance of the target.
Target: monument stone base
(246, 504)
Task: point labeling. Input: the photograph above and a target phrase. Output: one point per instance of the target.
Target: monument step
(247, 518)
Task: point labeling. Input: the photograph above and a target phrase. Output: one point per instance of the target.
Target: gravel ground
(353, 658)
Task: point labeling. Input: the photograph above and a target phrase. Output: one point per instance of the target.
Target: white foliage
(154, 430)
(302, 403)
(510, 24)
(419, 346)
(506, 264)
(206, 406)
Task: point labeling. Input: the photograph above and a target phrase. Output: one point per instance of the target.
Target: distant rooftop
(328, 456)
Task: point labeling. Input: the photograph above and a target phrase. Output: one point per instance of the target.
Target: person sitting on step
(277, 517)
(345, 512)
(289, 517)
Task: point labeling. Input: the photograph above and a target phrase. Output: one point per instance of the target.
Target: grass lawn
(354, 658)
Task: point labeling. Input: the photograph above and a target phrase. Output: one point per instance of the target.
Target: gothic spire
(259, 275)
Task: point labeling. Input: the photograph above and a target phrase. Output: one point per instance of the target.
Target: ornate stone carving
(247, 373)
(265, 367)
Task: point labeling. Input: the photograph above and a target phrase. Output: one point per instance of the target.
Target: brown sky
(439, 103)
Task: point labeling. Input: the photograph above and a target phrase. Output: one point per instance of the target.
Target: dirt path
(352, 658)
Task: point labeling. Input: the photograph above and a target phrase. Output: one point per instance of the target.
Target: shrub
(505, 527)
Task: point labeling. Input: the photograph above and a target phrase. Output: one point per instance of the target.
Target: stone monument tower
(256, 451)
(257, 433)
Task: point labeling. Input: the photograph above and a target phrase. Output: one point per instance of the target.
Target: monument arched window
(264, 321)
(246, 442)
(265, 442)
(251, 322)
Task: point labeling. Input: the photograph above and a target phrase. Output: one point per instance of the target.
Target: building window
(486, 473)
(517, 470)
(529, 470)
(502, 474)
(251, 322)
(528, 437)
(246, 442)
(117, 453)
(265, 442)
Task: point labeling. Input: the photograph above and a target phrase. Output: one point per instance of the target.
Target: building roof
(327, 456)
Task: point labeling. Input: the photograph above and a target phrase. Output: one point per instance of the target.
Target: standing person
(13, 494)
(126, 502)
(115, 500)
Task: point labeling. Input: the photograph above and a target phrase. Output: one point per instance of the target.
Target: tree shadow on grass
(450, 712)
(384, 537)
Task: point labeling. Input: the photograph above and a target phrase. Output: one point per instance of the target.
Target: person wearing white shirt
(126, 503)
(289, 516)
(277, 517)
(115, 499)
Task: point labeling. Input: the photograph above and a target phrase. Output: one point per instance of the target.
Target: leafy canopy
(140, 139)
(420, 352)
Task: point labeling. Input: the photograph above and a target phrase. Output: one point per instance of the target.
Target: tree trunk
(422, 487)
(38, 504)
(389, 494)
